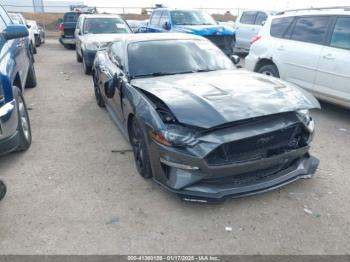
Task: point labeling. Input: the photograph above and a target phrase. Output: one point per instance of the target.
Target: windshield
(193, 17)
(166, 57)
(105, 26)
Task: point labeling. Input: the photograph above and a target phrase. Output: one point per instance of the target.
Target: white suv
(310, 48)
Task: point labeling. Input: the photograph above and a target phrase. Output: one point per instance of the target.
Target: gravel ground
(70, 194)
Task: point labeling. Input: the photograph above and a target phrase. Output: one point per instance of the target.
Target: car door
(333, 71)
(297, 55)
(153, 25)
(78, 34)
(246, 29)
(116, 60)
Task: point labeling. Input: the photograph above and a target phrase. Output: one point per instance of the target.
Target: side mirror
(109, 88)
(235, 59)
(118, 80)
(166, 26)
(78, 31)
(28, 26)
(263, 23)
(15, 31)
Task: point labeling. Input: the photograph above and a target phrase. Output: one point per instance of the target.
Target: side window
(260, 18)
(279, 26)
(248, 18)
(116, 53)
(164, 18)
(312, 29)
(341, 33)
(155, 18)
(5, 16)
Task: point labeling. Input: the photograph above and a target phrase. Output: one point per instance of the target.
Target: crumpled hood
(102, 38)
(215, 98)
(204, 30)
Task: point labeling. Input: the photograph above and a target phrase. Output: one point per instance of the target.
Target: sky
(229, 4)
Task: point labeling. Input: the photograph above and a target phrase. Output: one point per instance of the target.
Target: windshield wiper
(163, 74)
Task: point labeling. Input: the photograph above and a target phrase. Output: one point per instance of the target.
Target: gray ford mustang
(198, 125)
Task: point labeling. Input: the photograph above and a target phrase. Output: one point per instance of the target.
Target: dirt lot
(69, 194)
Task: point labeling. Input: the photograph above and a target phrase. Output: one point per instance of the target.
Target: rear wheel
(138, 143)
(99, 99)
(23, 128)
(31, 78)
(2, 190)
(270, 70)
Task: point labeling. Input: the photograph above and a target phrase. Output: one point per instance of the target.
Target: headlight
(95, 45)
(175, 135)
(304, 116)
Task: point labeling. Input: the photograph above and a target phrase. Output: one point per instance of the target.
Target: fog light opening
(178, 165)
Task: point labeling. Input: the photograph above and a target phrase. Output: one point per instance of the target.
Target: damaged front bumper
(196, 176)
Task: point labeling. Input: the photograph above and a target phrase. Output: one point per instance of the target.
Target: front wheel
(138, 143)
(31, 81)
(270, 70)
(23, 128)
(87, 69)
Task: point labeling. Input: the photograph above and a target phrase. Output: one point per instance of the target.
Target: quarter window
(341, 34)
(311, 29)
(279, 26)
(248, 18)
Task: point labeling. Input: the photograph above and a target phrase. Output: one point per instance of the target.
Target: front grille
(259, 147)
(223, 42)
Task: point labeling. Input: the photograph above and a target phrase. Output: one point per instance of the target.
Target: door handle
(281, 48)
(328, 57)
(103, 69)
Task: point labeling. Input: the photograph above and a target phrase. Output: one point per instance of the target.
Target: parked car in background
(95, 31)
(67, 28)
(135, 24)
(199, 126)
(248, 25)
(17, 72)
(19, 19)
(310, 48)
(34, 27)
(191, 21)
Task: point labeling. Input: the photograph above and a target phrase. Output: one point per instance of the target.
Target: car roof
(141, 37)
(316, 11)
(177, 9)
(101, 16)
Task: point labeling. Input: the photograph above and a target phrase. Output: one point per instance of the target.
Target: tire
(99, 99)
(79, 58)
(34, 49)
(31, 81)
(87, 69)
(141, 155)
(2, 190)
(23, 127)
(270, 70)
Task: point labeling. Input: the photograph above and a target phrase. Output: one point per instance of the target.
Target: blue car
(195, 22)
(16, 73)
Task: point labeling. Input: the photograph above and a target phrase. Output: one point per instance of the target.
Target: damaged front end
(232, 160)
